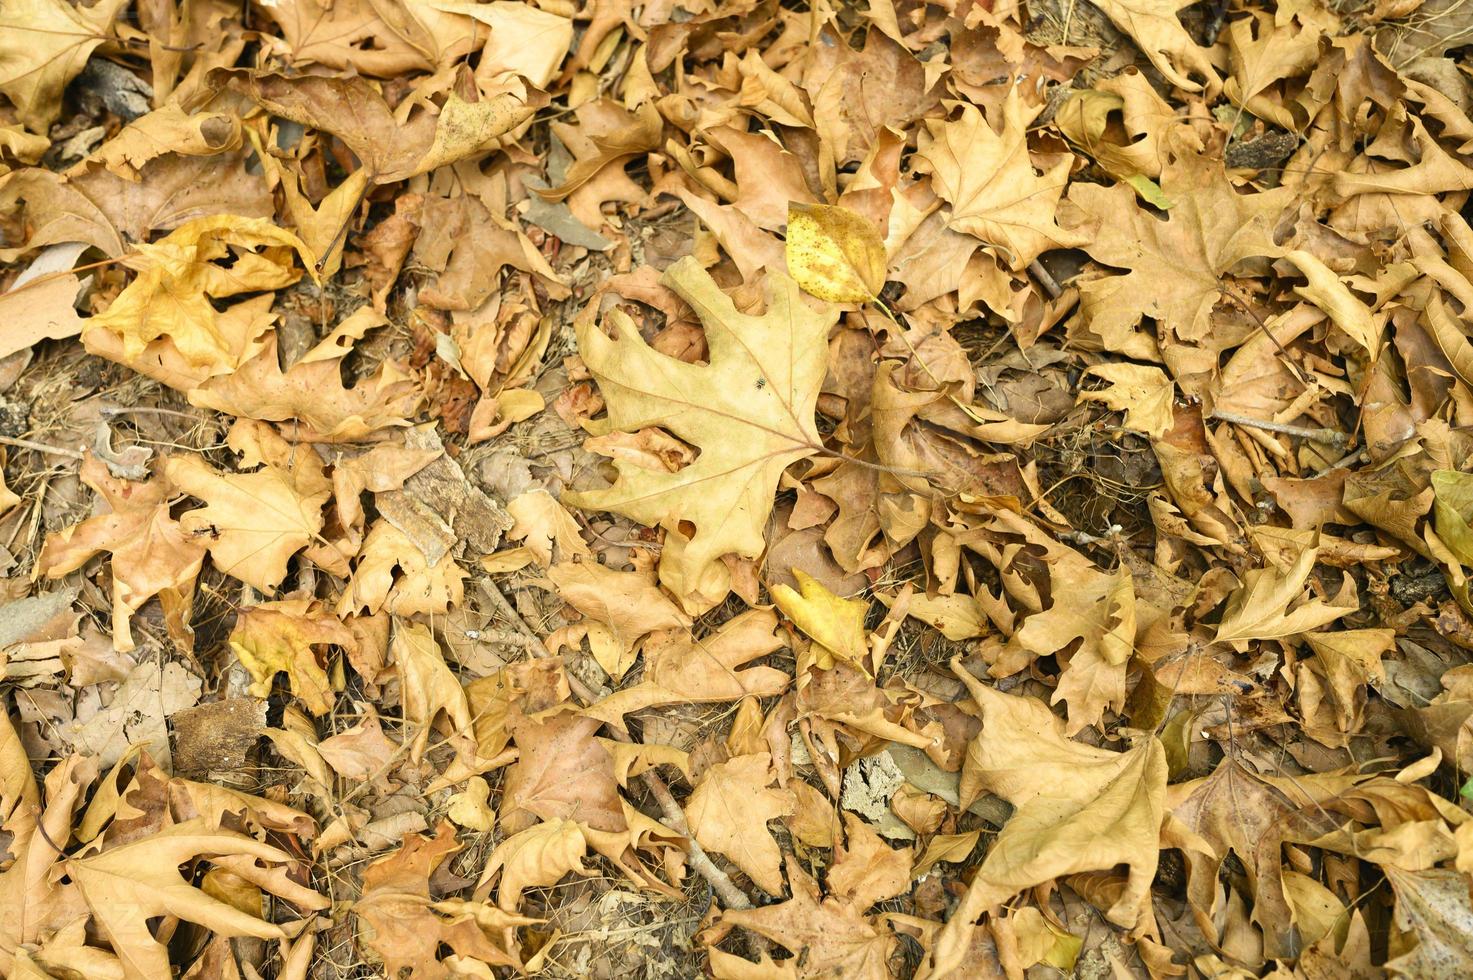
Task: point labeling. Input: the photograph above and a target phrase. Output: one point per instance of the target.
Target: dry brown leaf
(44, 44)
(829, 936)
(252, 523)
(539, 855)
(1107, 812)
(402, 923)
(984, 171)
(680, 668)
(168, 310)
(728, 813)
(1177, 265)
(126, 885)
(750, 410)
(151, 553)
(1269, 605)
(428, 688)
(390, 148)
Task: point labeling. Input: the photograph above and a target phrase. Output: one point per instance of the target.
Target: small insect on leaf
(835, 254)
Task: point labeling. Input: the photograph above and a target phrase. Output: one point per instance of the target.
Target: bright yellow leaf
(835, 254)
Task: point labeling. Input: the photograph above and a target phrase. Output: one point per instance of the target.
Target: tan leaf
(828, 937)
(866, 870)
(563, 773)
(427, 687)
(399, 921)
(252, 523)
(680, 668)
(1154, 27)
(1177, 265)
(312, 394)
(44, 44)
(545, 524)
(394, 576)
(539, 855)
(1144, 393)
(1268, 605)
(151, 554)
(750, 410)
(986, 174)
(1434, 907)
(728, 813)
(391, 148)
(127, 885)
(1078, 808)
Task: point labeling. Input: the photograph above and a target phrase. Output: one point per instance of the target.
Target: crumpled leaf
(829, 936)
(834, 254)
(750, 410)
(168, 308)
(1154, 26)
(1432, 906)
(391, 149)
(1144, 393)
(428, 688)
(1177, 265)
(311, 392)
(400, 921)
(282, 637)
(681, 668)
(539, 855)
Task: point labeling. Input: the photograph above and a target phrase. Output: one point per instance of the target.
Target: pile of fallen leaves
(735, 488)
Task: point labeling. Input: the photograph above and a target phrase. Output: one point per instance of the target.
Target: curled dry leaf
(283, 637)
(165, 323)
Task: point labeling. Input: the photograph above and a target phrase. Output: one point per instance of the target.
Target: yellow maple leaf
(179, 280)
(282, 637)
(834, 254)
(750, 410)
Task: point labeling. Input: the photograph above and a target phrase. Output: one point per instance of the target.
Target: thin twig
(1329, 436)
(726, 890)
(40, 447)
(1045, 278)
